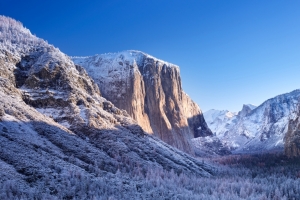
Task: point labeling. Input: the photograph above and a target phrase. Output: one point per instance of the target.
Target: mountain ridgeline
(272, 126)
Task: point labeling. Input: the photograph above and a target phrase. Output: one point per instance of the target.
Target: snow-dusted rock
(220, 121)
(58, 133)
(254, 129)
(150, 91)
(292, 138)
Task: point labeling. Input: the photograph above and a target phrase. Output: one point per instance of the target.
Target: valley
(120, 126)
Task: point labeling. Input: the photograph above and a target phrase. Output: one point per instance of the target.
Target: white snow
(251, 106)
(262, 128)
(82, 112)
(130, 57)
(219, 121)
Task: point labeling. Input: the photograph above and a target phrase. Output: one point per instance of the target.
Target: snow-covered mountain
(255, 128)
(219, 121)
(60, 139)
(150, 90)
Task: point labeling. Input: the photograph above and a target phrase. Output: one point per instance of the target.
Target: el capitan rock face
(150, 91)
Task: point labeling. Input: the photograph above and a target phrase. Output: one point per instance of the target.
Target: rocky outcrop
(292, 139)
(150, 91)
(247, 108)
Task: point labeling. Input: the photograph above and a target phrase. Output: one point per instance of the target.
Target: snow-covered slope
(60, 139)
(255, 128)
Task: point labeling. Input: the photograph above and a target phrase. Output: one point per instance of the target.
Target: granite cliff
(150, 91)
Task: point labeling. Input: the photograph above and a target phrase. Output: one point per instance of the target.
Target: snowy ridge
(131, 56)
(251, 106)
(255, 128)
(116, 66)
(17, 39)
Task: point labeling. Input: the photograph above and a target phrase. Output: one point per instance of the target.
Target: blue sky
(229, 52)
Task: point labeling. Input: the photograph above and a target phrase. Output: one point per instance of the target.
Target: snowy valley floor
(259, 177)
(265, 176)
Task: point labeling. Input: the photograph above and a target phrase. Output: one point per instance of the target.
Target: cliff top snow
(130, 56)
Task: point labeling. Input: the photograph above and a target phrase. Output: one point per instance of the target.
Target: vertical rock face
(150, 91)
(292, 139)
(195, 117)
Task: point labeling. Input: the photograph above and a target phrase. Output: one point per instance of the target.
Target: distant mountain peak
(251, 106)
(255, 128)
(247, 108)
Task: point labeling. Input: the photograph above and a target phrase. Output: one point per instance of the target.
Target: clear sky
(230, 52)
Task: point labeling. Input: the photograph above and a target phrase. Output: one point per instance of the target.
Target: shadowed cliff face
(292, 139)
(150, 91)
